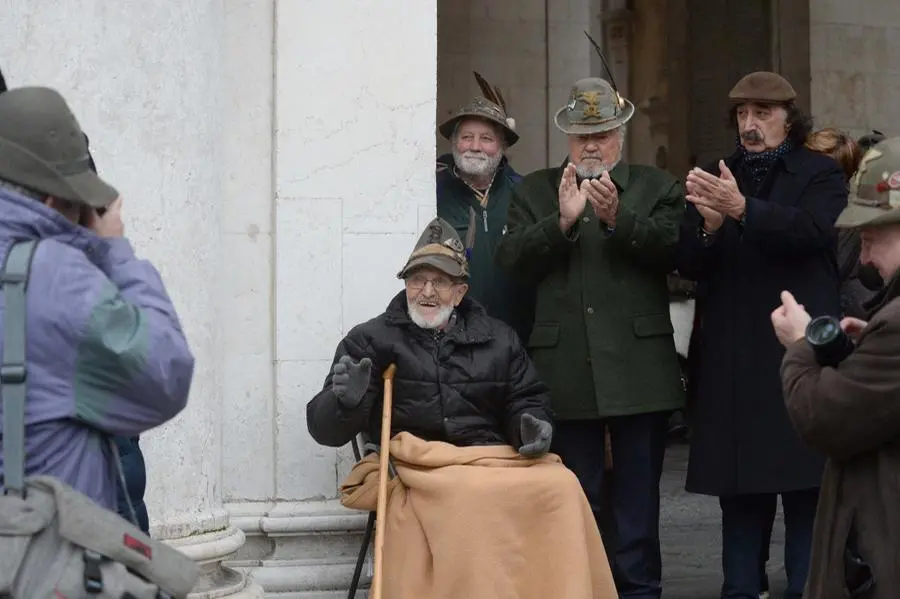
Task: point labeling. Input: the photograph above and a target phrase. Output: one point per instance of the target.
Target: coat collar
(793, 161)
(472, 325)
(888, 293)
(25, 218)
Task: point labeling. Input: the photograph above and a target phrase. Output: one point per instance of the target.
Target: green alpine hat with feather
(491, 107)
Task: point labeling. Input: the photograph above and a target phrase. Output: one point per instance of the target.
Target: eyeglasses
(418, 282)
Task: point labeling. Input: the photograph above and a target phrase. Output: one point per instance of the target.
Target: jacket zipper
(436, 337)
(484, 218)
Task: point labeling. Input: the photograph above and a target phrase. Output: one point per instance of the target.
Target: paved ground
(691, 538)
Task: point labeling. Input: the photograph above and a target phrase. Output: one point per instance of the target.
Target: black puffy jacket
(467, 386)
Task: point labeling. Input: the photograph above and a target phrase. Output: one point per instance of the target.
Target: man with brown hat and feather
(597, 237)
(473, 184)
(759, 221)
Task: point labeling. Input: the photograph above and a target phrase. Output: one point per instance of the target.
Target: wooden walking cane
(384, 457)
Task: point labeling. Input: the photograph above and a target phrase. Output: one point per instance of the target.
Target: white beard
(437, 321)
(593, 172)
(477, 164)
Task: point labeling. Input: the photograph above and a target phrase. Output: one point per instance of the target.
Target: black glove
(350, 380)
(536, 435)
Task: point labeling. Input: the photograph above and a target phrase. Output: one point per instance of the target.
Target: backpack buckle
(93, 579)
(12, 374)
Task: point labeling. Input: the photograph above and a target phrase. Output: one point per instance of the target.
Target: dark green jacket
(602, 337)
(501, 295)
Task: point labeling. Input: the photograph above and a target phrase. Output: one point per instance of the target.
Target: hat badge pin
(893, 183)
(894, 180)
(455, 245)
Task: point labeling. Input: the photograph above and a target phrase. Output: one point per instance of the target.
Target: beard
(594, 168)
(477, 164)
(441, 318)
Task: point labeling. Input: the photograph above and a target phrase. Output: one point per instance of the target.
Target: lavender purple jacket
(105, 351)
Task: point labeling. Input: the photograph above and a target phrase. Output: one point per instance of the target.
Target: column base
(300, 550)
(209, 541)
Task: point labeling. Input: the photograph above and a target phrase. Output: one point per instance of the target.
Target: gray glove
(350, 380)
(536, 435)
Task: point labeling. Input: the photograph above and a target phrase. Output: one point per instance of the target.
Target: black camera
(829, 342)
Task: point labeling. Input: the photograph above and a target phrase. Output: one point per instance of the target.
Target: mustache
(594, 156)
(752, 135)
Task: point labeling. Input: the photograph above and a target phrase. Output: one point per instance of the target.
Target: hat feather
(491, 93)
(612, 79)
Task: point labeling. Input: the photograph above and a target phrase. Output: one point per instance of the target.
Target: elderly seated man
(478, 508)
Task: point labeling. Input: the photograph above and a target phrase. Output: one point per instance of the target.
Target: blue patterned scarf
(759, 163)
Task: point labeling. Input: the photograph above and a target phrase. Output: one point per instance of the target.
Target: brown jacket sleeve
(854, 408)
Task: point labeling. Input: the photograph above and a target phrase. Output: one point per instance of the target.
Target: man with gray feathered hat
(106, 352)
(473, 184)
(597, 236)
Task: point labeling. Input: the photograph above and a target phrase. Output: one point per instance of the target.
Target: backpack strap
(13, 387)
(14, 281)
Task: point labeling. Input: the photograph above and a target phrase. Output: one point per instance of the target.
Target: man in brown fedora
(106, 353)
(597, 236)
(473, 189)
(759, 221)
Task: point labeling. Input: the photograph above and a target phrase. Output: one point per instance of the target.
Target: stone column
(355, 102)
(569, 58)
(146, 81)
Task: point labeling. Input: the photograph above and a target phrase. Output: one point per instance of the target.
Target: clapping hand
(715, 194)
(571, 199)
(603, 196)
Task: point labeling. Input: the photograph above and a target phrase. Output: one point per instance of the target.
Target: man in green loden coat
(473, 184)
(597, 237)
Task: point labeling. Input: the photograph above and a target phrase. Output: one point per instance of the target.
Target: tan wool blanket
(482, 523)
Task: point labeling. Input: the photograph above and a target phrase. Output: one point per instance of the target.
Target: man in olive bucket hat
(106, 352)
(847, 407)
(473, 185)
(597, 236)
(759, 221)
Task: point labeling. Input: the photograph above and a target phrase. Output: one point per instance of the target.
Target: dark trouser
(746, 530)
(638, 447)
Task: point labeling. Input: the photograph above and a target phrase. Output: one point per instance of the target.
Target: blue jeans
(135, 472)
(746, 530)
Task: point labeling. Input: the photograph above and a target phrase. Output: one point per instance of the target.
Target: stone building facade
(277, 160)
(676, 60)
